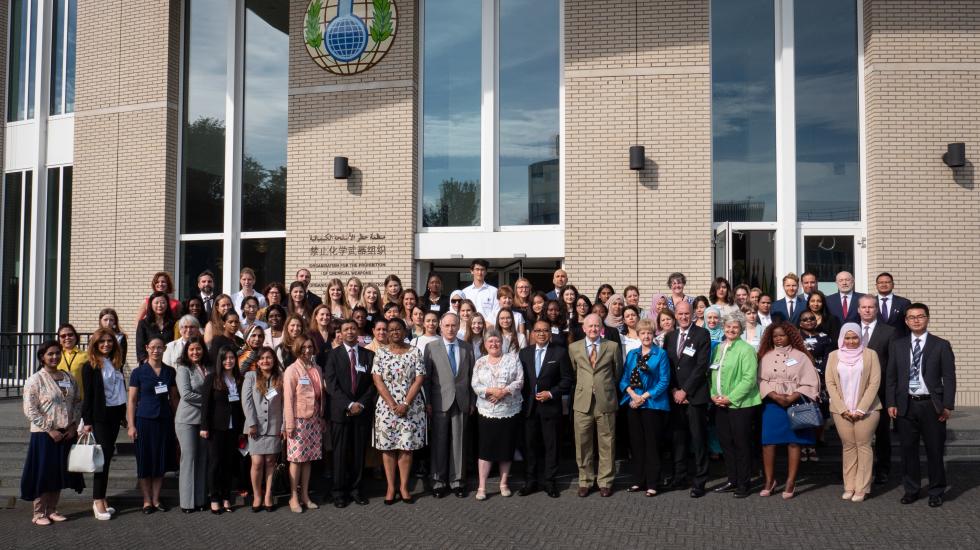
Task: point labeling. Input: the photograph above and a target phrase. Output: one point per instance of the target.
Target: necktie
(884, 308)
(844, 307)
(452, 357)
(208, 300)
(353, 371)
(681, 340)
(914, 384)
(592, 354)
(791, 303)
(538, 358)
(866, 335)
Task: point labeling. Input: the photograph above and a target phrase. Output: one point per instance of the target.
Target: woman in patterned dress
(399, 419)
(303, 416)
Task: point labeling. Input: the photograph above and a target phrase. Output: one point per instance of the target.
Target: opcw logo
(349, 36)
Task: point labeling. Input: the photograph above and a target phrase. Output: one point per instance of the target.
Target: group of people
(366, 371)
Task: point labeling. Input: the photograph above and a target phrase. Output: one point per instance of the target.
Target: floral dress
(398, 372)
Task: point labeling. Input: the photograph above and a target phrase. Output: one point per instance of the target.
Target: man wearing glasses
(920, 394)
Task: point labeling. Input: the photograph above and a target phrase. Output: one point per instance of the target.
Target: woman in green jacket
(735, 393)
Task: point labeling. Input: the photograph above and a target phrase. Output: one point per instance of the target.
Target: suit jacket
(313, 299)
(879, 342)
(779, 306)
(552, 294)
(556, 377)
(896, 313)
(336, 376)
(601, 382)
(835, 309)
(264, 414)
(868, 399)
(938, 371)
(441, 387)
(217, 410)
(690, 373)
(190, 385)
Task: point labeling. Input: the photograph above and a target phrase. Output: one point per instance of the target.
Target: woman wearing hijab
(853, 378)
(712, 322)
(658, 303)
(616, 304)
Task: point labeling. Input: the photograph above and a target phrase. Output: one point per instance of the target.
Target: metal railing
(18, 359)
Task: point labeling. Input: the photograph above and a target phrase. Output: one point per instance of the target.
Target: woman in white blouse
(497, 382)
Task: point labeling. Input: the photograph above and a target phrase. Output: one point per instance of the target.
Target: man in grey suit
(449, 369)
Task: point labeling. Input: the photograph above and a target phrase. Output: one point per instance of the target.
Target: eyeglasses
(916, 317)
(106, 341)
(64, 336)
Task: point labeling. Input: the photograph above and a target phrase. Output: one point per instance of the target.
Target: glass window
(827, 256)
(266, 105)
(11, 257)
(528, 86)
(206, 69)
(64, 280)
(63, 57)
(743, 110)
(828, 184)
(267, 257)
(51, 221)
(21, 60)
(451, 113)
(195, 257)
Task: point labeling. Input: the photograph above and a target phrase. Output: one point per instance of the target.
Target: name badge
(269, 395)
(554, 330)
(233, 398)
(160, 388)
(811, 341)
(689, 351)
(360, 368)
(305, 381)
(367, 340)
(434, 307)
(64, 383)
(715, 366)
(790, 362)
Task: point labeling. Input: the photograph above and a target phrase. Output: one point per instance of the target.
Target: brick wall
(647, 84)
(922, 78)
(125, 175)
(371, 119)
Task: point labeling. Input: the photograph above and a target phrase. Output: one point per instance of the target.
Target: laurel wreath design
(312, 34)
(381, 26)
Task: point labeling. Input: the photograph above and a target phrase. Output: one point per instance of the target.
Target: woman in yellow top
(72, 355)
(735, 393)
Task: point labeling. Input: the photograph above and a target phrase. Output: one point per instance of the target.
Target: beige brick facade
(922, 78)
(125, 176)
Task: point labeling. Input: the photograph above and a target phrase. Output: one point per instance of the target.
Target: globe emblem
(346, 37)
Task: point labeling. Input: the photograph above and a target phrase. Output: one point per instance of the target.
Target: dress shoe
(160, 508)
(188, 510)
(359, 500)
(909, 498)
(460, 492)
(440, 492)
(728, 487)
(340, 502)
(881, 478)
(553, 492)
(481, 494)
(697, 492)
(605, 492)
(101, 516)
(269, 508)
(409, 500)
(389, 501)
(935, 502)
(746, 493)
(310, 505)
(256, 509)
(505, 491)
(679, 485)
(527, 490)
(217, 511)
(583, 492)
(148, 510)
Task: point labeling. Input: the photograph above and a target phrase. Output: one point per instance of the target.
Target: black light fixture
(637, 157)
(955, 155)
(341, 170)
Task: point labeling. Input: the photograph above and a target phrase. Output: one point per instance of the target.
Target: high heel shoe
(295, 508)
(768, 490)
(101, 516)
(848, 495)
(789, 494)
(310, 505)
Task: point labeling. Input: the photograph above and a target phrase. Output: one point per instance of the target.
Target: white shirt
(237, 298)
(457, 342)
(112, 383)
(850, 300)
(922, 389)
(518, 316)
(173, 351)
(765, 320)
(871, 329)
(485, 299)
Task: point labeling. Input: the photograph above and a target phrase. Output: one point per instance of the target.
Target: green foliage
(381, 25)
(312, 34)
(459, 204)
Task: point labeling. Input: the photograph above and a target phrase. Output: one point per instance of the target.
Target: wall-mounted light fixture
(955, 155)
(637, 157)
(341, 170)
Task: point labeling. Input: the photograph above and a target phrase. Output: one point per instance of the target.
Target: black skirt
(156, 447)
(498, 438)
(46, 468)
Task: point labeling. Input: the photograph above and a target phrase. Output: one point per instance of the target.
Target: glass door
(745, 256)
(827, 255)
(722, 246)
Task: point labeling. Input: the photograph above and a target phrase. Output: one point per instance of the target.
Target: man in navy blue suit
(843, 304)
(559, 279)
(891, 308)
(792, 305)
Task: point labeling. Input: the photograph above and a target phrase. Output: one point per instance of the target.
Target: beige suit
(594, 406)
(855, 437)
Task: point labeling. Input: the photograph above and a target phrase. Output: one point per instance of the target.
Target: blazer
(606, 332)
(265, 414)
(93, 387)
(441, 388)
(190, 386)
(938, 371)
(896, 313)
(834, 307)
(556, 377)
(336, 376)
(779, 306)
(868, 390)
(601, 382)
(690, 373)
(299, 400)
(217, 410)
(739, 374)
(879, 342)
(147, 330)
(654, 381)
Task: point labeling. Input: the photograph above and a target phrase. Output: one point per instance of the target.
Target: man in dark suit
(689, 352)
(559, 280)
(547, 377)
(878, 336)
(891, 308)
(808, 282)
(843, 304)
(789, 307)
(205, 286)
(347, 375)
(920, 397)
(303, 275)
(449, 372)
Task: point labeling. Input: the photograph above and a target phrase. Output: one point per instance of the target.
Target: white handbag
(86, 456)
